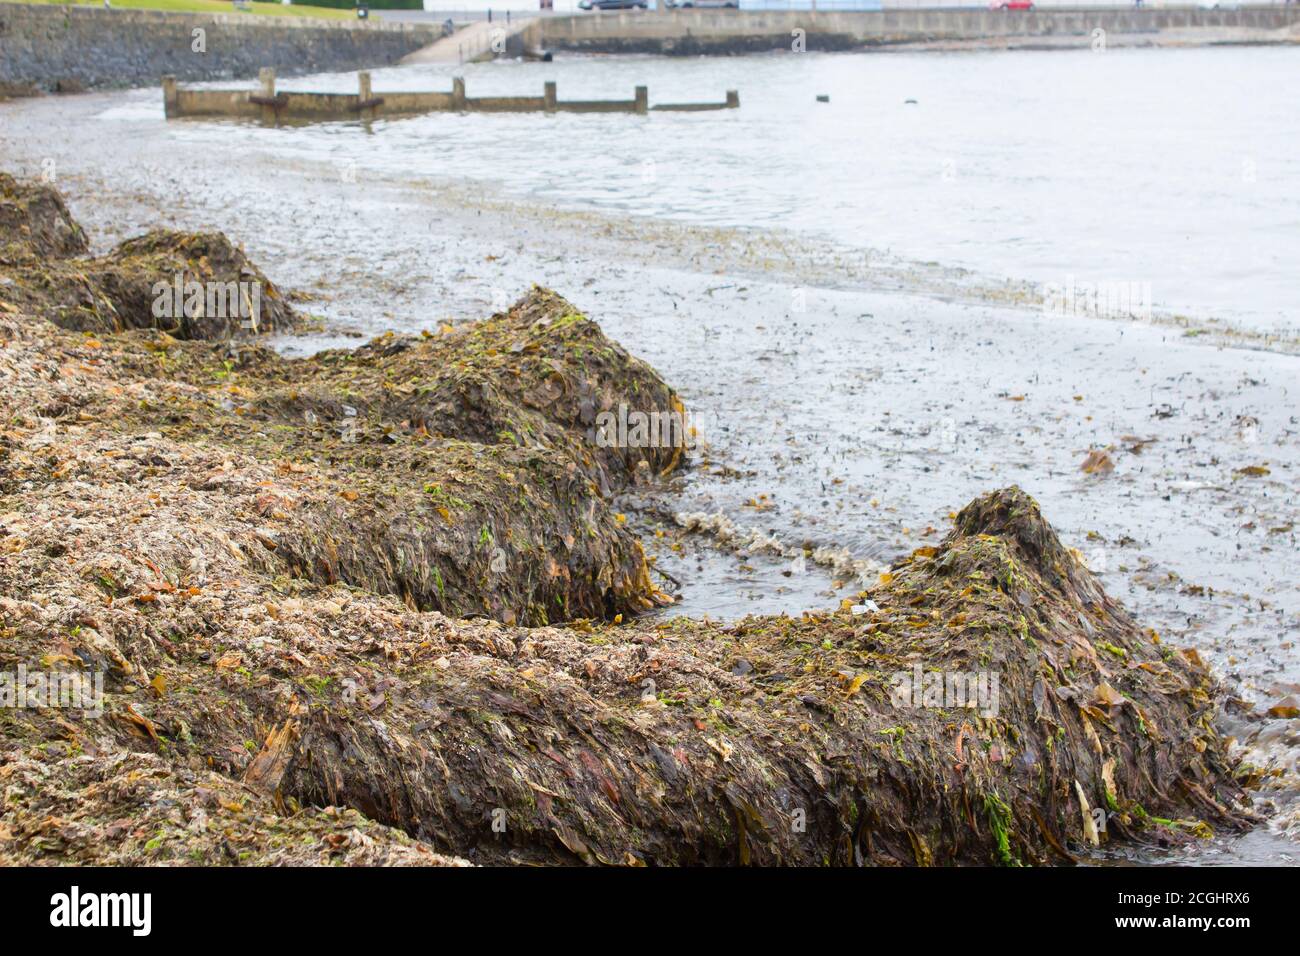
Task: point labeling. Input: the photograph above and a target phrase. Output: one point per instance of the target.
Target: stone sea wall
(73, 48)
(697, 32)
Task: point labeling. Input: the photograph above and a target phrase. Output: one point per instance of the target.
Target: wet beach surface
(850, 398)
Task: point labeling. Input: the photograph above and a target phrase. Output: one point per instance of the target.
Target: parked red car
(1012, 5)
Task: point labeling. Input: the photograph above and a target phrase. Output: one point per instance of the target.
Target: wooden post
(642, 99)
(733, 100)
(458, 92)
(549, 96)
(364, 96)
(266, 76)
(171, 97)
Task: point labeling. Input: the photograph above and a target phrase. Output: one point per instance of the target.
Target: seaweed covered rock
(146, 810)
(190, 285)
(380, 486)
(211, 536)
(533, 378)
(35, 222)
(843, 742)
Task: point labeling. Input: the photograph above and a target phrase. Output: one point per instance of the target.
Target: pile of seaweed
(375, 606)
(43, 255)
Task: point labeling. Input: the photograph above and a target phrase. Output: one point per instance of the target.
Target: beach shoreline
(387, 588)
(842, 386)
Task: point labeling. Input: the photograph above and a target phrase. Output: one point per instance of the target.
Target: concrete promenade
(695, 32)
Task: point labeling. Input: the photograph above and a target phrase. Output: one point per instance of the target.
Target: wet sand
(848, 403)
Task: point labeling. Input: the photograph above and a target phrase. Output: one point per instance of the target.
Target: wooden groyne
(266, 105)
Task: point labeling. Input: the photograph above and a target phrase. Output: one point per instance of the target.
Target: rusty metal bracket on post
(367, 102)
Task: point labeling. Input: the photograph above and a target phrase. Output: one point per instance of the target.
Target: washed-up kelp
(432, 468)
(148, 553)
(288, 598)
(35, 222)
(190, 285)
